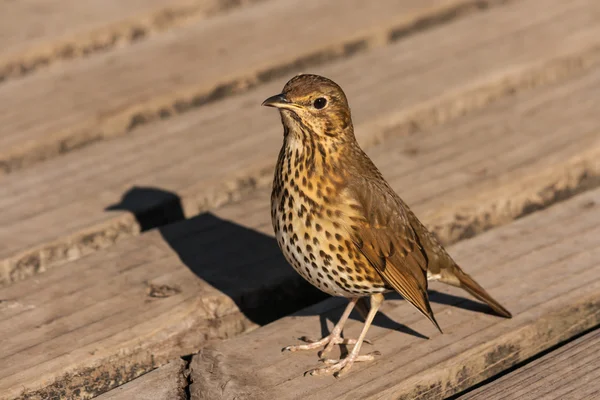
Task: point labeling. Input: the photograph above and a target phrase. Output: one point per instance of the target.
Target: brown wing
(382, 232)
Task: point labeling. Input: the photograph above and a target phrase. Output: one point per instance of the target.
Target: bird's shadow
(240, 262)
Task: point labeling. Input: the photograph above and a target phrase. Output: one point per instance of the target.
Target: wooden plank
(110, 316)
(225, 149)
(571, 372)
(544, 268)
(165, 383)
(37, 33)
(111, 93)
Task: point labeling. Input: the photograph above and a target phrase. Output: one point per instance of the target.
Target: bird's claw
(340, 367)
(311, 344)
(328, 341)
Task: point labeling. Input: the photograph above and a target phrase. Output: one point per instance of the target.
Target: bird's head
(312, 105)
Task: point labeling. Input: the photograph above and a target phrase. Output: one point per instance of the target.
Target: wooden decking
(569, 373)
(135, 170)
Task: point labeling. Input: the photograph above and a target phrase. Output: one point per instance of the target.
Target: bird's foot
(328, 341)
(341, 367)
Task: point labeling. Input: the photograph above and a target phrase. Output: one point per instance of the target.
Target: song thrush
(340, 224)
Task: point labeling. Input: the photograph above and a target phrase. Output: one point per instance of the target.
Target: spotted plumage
(339, 223)
(307, 223)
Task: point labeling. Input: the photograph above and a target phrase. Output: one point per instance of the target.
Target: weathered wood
(165, 383)
(571, 372)
(37, 33)
(217, 153)
(545, 268)
(108, 317)
(113, 92)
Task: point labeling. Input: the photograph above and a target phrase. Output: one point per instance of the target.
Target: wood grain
(106, 318)
(112, 93)
(35, 34)
(544, 268)
(227, 149)
(571, 372)
(165, 383)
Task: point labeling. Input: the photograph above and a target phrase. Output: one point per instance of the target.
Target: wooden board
(110, 94)
(544, 268)
(165, 383)
(37, 33)
(228, 148)
(102, 320)
(571, 372)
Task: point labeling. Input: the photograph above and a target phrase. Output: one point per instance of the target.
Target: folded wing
(381, 231)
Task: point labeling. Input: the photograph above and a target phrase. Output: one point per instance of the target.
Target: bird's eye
(320, 103)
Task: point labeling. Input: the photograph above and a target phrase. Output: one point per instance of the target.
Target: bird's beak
(278, 101)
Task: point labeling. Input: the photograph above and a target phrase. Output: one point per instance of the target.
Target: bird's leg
(339, 367)
(329, 341)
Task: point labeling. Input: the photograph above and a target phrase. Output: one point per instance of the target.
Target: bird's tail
(457, 277)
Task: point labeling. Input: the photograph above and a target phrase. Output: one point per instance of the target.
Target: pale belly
(310, 266)
(308, 250)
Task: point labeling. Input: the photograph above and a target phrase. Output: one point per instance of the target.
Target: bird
(341, 226)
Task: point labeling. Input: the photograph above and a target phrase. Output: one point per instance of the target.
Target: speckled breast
(314, 243)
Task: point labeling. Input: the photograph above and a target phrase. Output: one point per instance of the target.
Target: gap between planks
(141, 303)
(544, 268)
(571, 372)
(37, 34)
(465, 74)
(168, 382)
